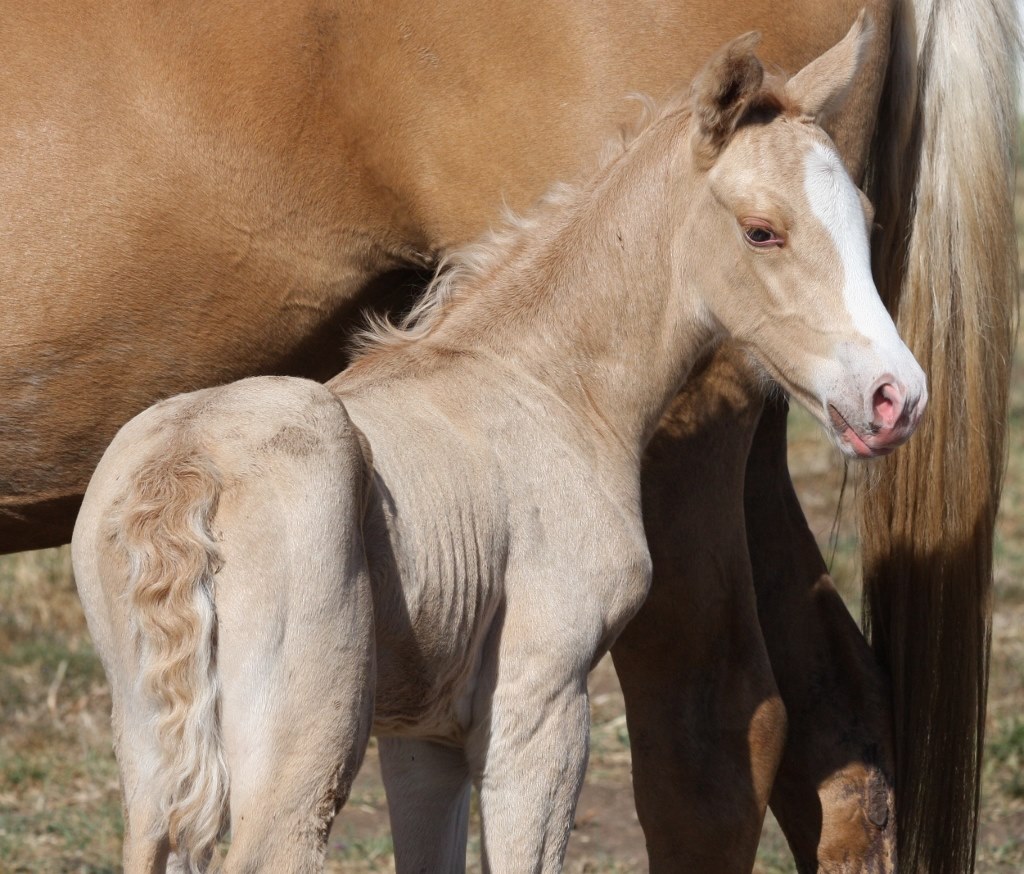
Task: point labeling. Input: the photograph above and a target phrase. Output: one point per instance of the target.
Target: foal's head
(789, 275)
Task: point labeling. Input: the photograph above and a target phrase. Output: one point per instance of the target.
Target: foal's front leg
(528, 749)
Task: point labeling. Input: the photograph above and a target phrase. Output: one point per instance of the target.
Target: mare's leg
(428, 789)
(705, 720)
(833, 794)
(687, 661)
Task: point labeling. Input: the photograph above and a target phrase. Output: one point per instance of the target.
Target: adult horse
(193, 192)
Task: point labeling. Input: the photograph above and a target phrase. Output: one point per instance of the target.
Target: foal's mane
(465, 267)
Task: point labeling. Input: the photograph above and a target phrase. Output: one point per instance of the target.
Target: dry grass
(59, 799)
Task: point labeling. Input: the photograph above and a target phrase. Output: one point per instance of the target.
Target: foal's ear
(720, 94)
(821, 88)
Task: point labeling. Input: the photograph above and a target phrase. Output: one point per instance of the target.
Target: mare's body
(203, 191)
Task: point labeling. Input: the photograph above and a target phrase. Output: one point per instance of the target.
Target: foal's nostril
(887, 404)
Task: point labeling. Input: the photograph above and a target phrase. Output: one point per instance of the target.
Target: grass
(59, 797)
(1005, 765)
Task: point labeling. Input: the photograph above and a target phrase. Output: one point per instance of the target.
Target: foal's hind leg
(295, 636)
(145, 847)
(428, 790)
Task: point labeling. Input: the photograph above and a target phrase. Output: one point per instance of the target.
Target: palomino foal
(441, 542)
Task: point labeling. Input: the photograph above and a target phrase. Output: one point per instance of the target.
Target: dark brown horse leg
(833, 793)
(705, 720)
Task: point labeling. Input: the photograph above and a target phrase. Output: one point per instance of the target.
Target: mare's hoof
(860, 834)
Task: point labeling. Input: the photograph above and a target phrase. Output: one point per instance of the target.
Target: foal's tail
(170, 504)
(942, 172)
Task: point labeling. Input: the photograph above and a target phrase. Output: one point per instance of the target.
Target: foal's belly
(432, 633)
(436, 535)
(427, 676)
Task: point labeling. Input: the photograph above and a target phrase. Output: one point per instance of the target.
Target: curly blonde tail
(173, 558)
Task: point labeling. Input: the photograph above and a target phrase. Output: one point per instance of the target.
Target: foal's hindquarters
(220, 563)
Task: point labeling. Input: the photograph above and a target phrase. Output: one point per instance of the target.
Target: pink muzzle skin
(894, 418)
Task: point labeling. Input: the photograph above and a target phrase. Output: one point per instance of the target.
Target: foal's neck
(590, 305)
(585, 298)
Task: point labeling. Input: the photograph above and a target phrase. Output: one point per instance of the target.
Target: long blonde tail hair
(169, 507)
(942, 176)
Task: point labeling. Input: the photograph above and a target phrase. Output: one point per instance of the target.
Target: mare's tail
(169, 507)
(942, 173)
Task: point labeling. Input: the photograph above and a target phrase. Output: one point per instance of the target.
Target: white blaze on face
(836, 204)
(857, 368)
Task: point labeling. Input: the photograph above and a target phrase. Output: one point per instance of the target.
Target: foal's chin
(855, 437)
(854, 445)
(874, 439)
(866, 417)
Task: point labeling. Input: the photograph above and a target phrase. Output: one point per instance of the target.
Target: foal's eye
(762, 237)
